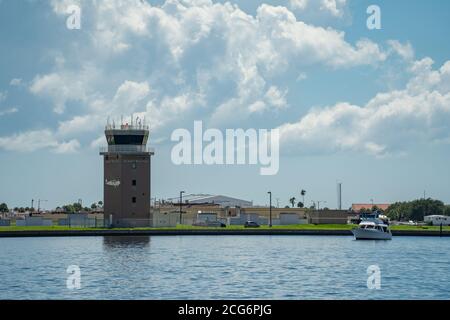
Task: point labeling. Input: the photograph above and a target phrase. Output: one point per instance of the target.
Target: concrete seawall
(284, 232)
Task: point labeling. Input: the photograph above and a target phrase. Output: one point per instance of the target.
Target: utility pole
(339, 195)
(270, 208)
(39, 205)
(181, 204)
(318, 204)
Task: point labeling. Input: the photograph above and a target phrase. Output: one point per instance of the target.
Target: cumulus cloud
(63, 86)
(388, 124)
(30, 141)
(71, 146)
(333, 8)
(182, 59)
(298, 4)
(405, 51)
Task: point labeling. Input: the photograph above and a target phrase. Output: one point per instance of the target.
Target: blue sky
(370, 108)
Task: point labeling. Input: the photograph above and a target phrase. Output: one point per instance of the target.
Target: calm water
(224, 267)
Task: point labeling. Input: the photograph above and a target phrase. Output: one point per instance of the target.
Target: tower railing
(125, 148)
(127, 126)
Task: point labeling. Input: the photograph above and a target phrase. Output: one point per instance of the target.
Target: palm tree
(292, 201)
(302, 193)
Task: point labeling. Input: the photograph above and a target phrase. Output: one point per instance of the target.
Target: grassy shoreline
(300, 227)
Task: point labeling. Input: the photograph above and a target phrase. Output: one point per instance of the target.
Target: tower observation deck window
(129, 139)
(133, 199)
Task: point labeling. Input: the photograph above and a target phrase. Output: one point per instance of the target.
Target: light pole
(270, 208)
(181, 204)
(318, 204)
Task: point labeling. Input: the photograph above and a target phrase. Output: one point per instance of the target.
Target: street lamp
(270, 208)
(181, 204)
(318, 204)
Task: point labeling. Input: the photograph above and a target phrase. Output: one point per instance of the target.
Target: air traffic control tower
(126, 185)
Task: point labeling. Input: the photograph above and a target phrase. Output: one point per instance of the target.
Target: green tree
(447, 210)
(300, 205)
(415, 210)
(292, 201)
(3, 207)
(93, 206)
(77, 206)
(302, 193)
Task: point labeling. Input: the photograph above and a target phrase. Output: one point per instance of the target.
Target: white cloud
(187, 58)
(275, 97)
(388, 124)
(298, 4)
(3, 95)
(67, 147)
(129, 95)
(60, 88)
(30, 141)
(80, 124)
(100, 141)
(331, 8)
(8, 111)
(61, 6)
(15, 82)
(405, 51)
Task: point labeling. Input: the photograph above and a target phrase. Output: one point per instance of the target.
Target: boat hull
(371, 234)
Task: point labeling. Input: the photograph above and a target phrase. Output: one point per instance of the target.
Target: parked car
(217, 224)
(251, 224)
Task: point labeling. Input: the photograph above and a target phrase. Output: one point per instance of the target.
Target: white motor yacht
(372, 230)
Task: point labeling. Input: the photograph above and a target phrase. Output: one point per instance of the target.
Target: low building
(357, 207)
(34, 222)
(328, 216)
(437, 220)
(164, 218)
(222, 201)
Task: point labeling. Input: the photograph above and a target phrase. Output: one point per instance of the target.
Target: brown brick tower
(126, 185)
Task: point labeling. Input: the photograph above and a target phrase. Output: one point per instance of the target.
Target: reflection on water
(224, 267)
(114, 242)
